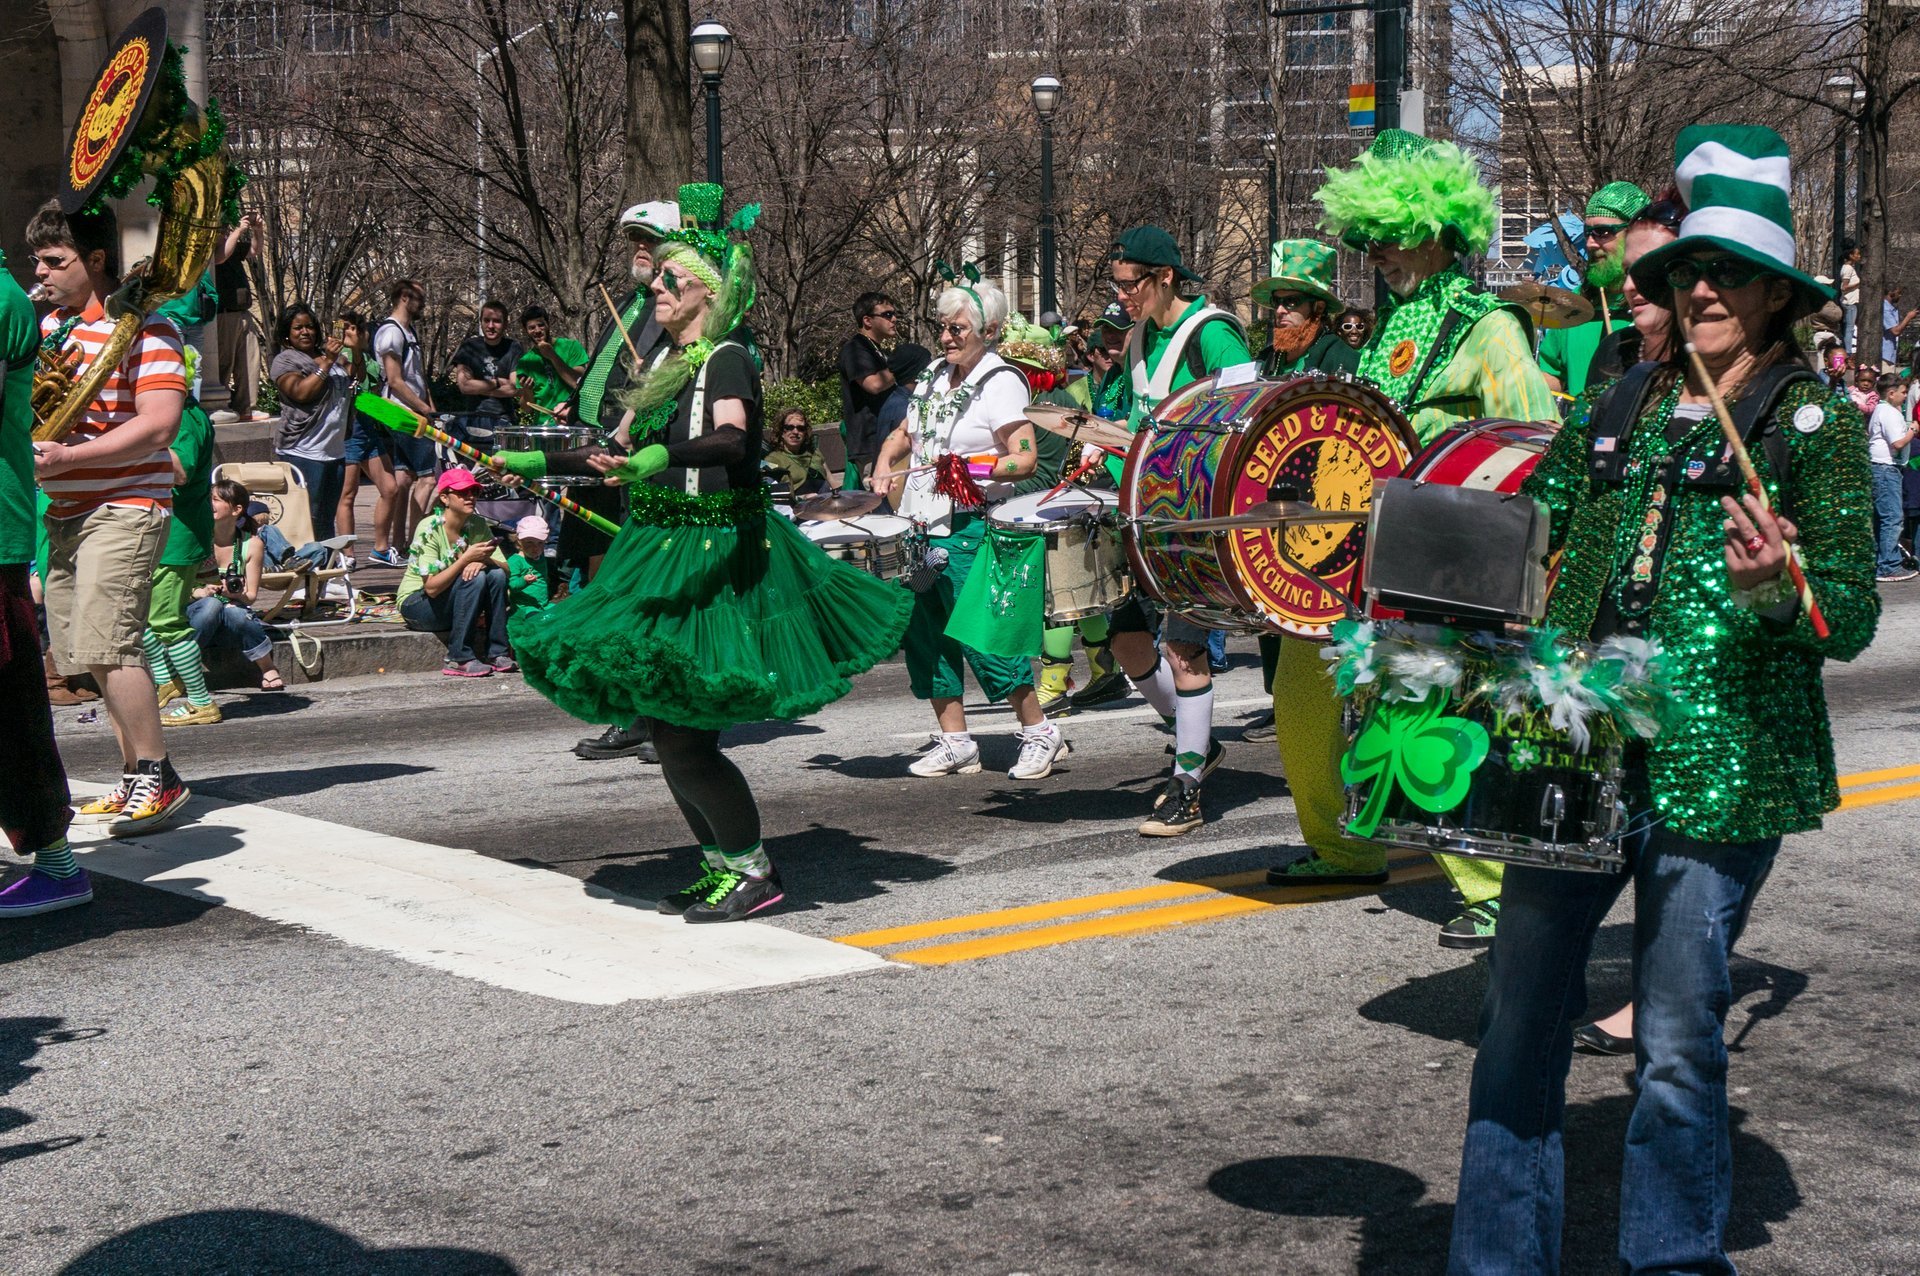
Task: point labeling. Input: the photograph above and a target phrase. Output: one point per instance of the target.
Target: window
(1320, 43)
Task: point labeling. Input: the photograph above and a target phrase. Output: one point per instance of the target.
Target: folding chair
(279, 487)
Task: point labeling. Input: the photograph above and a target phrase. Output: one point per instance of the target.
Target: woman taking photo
(1662, 542)
(707, 611)
(794, 461)
(966, 423)
(221, 611)
(317, 384)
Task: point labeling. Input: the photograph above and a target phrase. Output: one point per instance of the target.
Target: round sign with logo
(1215, 453)
(111, 114)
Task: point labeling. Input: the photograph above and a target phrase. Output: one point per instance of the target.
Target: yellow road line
(1143, 921)
(1031, 913)
(1874, 797)
(1879, 777)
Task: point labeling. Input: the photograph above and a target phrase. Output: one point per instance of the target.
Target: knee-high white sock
(1192, 731)
(1157, 687)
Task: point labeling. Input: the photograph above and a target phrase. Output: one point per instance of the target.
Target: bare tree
(658, 119)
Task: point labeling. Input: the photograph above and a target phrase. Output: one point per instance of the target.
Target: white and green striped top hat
(1734, 180)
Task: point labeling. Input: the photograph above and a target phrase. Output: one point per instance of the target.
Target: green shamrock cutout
(1431, 757)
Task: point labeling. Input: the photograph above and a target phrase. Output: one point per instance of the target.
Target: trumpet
(53, 375)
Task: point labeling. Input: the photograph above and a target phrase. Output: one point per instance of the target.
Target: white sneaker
(1040, 747)
(947, 758)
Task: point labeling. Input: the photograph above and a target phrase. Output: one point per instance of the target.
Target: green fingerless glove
(531, 466)
(641, 466)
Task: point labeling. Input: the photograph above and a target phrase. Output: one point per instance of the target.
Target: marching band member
(1655, 546)
(967, 420)
(1445, 351)
(708, 611)
(1173, 342)
(1566, 354)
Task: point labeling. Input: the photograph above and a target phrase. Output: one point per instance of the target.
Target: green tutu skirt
(709, 611)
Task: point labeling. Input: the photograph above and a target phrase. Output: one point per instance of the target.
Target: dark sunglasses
(1292, 301)
(1605, 230)
(1721, 272)
(1664, 212)
(885, 314)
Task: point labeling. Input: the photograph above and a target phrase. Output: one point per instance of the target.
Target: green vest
(1419, 335)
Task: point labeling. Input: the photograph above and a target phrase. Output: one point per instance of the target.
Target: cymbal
(1550, 307)
(1079, 425)
(841, 505)
(1264, 514)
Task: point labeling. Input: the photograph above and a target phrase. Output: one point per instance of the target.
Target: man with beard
(1566, 354)
(1446, 351)
(1300, 294)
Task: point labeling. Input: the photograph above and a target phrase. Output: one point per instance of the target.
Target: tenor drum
(875, 543)
(1086, 567)
(550, 438)
(1214, 452)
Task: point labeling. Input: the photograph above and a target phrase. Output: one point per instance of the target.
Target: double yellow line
(1207, 899)
(1129, 912)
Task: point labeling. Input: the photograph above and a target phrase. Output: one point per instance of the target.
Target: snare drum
(1212, 453)
(875, 543)
(1086, 567)
(550, 438)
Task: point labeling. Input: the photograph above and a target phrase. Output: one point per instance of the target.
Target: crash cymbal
(1550, 307)
(1264, 514)
(841, 505)
(1079, 425)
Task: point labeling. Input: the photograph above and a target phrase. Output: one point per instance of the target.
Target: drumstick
(1085, 468)
(398, 417)
(621, 324)
(1606, 315)
(1739, 449)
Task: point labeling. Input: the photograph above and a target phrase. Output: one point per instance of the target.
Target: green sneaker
(681, 900)
(1311, 870)
(1473, 928)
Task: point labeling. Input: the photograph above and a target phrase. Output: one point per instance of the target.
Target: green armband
(531, 466)
(641, 466)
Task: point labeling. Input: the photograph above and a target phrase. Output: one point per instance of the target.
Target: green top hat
(1735, 180)
(1300, 265)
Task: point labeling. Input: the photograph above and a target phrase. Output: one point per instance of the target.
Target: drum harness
(928, 559)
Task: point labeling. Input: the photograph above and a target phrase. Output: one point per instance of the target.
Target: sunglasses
(1353, 325)
(1292, 301)
(1721, 272)
(885, 314)
(956, 329)
(1664, 212)
(1605, 230)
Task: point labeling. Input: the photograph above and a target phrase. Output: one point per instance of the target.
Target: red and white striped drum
(1492, 454)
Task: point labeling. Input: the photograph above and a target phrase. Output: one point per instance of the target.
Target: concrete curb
(374, 649)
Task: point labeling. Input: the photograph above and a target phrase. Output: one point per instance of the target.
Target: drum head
(848, 531)
(1038, 509)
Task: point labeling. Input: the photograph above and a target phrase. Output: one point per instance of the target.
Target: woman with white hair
(966, 439)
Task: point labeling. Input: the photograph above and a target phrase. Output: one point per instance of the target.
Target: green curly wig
(1406, 190)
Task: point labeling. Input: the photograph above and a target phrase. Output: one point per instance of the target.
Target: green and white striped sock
(157, 662)
(184, 656)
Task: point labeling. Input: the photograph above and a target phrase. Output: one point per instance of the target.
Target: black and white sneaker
(1175, 811)
(734, 897)
(1216, 754)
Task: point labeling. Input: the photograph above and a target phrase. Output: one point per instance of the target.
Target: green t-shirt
(549, 391)
(190, 532)
(433, 551)
(1221, 346)
(19, 343)
(526, 582)
(1567, 353)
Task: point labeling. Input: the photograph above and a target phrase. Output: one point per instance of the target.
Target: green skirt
(707, 612)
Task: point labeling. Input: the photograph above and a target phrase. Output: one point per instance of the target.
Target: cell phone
(340, 330)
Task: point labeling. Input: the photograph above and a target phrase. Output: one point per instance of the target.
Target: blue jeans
(1691, 900)
(1217, 646)
(1889, 515)
(218, 623)
(323, 480)
(456, 614)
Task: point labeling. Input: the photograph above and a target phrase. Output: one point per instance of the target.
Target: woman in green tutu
(709, 610)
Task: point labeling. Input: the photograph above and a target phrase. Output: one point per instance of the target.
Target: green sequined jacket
(1754, 757)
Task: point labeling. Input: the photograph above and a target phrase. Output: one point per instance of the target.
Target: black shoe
(1175, 811)
(681, 900)
(1217, 667)
(1102, 690)
(1216, 754)
(1591, 1038)
(618, 742)
(1473, 928)
(1261, 730)
(735, 896)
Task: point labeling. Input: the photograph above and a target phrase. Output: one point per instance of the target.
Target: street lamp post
(1046, 100)
(1273, 201)
(712, 50)
(1843, 87)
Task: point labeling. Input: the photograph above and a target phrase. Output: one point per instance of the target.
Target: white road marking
(1085, 718)
(525, 929)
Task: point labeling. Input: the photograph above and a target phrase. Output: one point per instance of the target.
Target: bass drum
(1213, 452)
(1492, 454)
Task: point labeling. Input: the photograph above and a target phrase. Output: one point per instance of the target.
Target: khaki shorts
(99, 580)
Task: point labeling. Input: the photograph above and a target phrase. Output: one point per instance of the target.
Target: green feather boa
(1410, 199)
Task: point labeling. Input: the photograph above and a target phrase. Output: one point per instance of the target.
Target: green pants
(935, 661)
(167, 611)
(1306, 720)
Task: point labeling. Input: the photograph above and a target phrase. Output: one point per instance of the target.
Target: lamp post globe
(712, 50)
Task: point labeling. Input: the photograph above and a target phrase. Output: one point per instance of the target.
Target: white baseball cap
(656, 219)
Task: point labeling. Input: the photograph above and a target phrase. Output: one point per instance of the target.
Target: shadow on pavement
(1226, 790)
(22, 1037)
(262, 786)
(263, 704)
(773, 729)
(220, 1242)
(1397, 1233)
(116, 906)
(1444, 1005)
(820, 866)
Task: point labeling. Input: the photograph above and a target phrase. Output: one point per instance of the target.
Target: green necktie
(594, 385)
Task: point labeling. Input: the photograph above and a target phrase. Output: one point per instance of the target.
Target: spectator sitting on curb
(220, 612)
(456, 582)
(527, 581)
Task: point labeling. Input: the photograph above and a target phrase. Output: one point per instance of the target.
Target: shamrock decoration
(969, 271)
(1522, 756)
(1431, 757)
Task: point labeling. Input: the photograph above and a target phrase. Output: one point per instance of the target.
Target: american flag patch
(1604, 445)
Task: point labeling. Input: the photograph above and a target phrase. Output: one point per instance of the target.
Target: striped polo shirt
(155, 362)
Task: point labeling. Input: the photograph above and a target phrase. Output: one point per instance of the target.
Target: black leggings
(712, 793)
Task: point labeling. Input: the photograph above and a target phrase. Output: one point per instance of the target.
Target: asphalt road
(1079, 1088)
